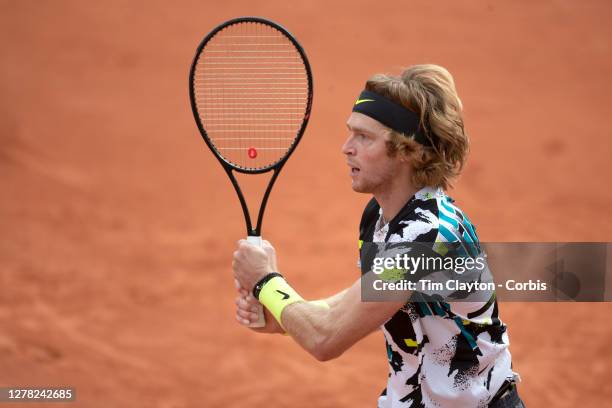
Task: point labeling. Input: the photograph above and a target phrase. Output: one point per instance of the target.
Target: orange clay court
(117, 225)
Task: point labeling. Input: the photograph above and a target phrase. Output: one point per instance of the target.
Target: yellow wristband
(276, 295)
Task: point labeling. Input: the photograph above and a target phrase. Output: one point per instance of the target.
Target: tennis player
(406, 143)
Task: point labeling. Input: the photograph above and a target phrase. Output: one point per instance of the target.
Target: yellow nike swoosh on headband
(364, 100)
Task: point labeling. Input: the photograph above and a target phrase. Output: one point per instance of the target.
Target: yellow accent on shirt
(411, 343)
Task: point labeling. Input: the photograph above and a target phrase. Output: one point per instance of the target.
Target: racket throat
(254, 231)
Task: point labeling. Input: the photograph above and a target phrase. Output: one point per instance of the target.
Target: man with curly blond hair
(406, 143)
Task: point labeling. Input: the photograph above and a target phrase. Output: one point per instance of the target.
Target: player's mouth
(354, 170)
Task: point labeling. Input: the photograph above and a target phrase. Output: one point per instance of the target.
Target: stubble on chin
(361, 188)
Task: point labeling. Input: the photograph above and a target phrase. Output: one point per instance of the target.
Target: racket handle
(255, 240)
(261, 320)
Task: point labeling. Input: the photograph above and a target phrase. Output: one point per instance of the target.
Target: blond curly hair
(429, 91)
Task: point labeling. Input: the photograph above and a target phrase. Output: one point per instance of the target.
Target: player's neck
(393, 200)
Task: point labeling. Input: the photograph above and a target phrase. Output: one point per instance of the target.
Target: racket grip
(255, 240)
(261, 320)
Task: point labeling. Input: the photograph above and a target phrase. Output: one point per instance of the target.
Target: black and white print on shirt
(440, 354)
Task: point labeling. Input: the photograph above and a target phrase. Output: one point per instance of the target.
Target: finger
(240, 301)
(243, 304)
(242, 321)
(244, 314)
(243, 292)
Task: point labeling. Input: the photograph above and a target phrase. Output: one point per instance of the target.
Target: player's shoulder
(418, 221)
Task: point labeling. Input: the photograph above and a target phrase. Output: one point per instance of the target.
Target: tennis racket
(250, 86)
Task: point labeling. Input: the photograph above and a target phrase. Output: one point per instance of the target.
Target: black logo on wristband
(285, 295)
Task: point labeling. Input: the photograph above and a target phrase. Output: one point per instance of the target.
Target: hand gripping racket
(250, 86)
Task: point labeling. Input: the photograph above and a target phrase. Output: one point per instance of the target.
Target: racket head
(250, 87)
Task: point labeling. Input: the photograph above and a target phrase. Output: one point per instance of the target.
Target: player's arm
(335, 299)
(247, 311)
(325, 332)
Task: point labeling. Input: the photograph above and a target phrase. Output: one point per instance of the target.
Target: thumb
(267, 246)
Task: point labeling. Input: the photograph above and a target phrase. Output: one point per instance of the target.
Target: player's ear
(403, 157)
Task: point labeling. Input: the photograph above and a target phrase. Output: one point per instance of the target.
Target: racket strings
(251, 91)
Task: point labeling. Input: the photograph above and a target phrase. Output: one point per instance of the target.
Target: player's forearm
(325, 332)
(313, 327)
(335, 299)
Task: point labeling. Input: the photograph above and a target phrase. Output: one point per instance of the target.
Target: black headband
(391, 114)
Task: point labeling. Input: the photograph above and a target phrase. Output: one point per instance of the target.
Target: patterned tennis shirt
(441, 354)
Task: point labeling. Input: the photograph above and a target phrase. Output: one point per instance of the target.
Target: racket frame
(229, 167)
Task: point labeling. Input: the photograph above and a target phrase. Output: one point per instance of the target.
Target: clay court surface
(117, 225)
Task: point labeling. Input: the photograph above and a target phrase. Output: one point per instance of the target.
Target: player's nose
(348, 147)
